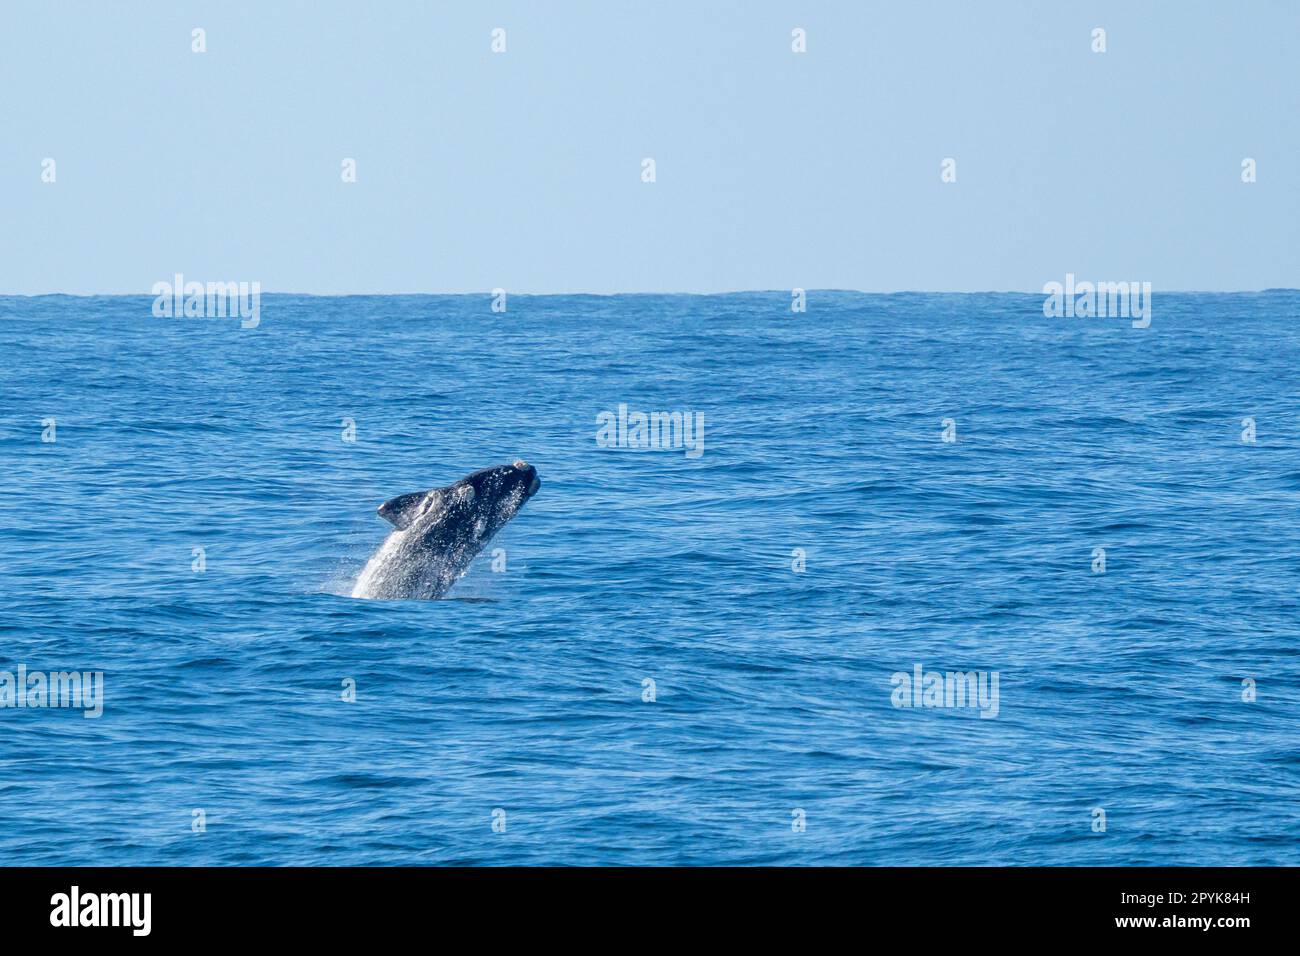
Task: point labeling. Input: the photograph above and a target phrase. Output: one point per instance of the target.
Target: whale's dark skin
(439, 532)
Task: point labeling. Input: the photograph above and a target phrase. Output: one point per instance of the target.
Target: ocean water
(519, 699)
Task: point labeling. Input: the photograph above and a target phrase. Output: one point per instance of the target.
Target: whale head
(492, 496)
(482, 501)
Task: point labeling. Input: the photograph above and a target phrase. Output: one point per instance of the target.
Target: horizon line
(491, 292)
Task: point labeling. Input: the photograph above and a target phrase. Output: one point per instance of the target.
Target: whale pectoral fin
(403, 509)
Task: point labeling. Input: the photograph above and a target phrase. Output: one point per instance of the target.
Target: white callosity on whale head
(535, 483)
(432, 503)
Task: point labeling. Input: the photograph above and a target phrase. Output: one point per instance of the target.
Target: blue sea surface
(520, 700)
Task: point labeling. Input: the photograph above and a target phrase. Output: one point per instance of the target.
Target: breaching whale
(438, 533)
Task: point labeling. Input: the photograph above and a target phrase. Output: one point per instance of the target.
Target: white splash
(371, 579)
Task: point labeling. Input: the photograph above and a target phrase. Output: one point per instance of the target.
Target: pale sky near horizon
(774, 169)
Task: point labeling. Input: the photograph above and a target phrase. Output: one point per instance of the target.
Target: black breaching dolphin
(439, 532)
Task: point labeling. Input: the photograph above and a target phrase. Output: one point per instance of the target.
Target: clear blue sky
(522, 170)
